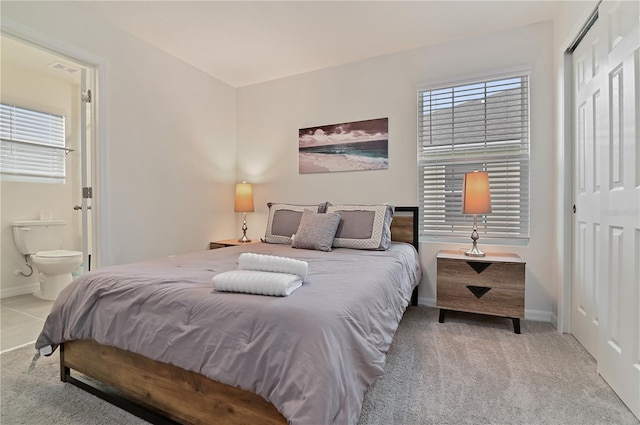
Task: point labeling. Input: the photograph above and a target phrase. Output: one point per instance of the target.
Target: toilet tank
(33, 236)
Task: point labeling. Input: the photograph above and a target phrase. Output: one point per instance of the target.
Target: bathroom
(32, 80)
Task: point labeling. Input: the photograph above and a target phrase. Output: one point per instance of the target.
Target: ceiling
(249, 42)
(24, 56)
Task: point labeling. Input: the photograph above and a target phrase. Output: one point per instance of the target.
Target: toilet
(41, 241)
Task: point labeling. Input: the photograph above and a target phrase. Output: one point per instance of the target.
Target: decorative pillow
(363, 226)
(284, 220)
(316, 231)
(322, 207)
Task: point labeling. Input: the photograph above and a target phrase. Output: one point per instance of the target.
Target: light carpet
(471, 369)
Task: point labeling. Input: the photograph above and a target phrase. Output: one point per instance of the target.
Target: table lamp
(244, 204)
(476, 199)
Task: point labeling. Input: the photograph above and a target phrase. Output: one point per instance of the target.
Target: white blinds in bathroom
(32, 144)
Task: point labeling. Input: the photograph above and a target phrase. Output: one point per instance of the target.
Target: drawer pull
(478, 266)
(478, 291)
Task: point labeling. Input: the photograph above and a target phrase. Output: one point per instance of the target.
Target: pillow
(316, 231)
(363, 226)
(322, 207)
(284, 220)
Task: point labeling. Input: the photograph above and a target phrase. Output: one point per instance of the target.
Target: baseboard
(19, 290)
(554, 321)
(536, 315)
(429, 302)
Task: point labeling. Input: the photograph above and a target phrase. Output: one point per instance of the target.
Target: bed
(177, 351)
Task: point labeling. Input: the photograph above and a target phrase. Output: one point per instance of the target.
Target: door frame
(97, 67)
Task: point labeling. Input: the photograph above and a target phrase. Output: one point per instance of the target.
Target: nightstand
(493, 284)
(230, 242)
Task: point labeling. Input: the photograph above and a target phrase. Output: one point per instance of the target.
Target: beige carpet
(473, 369)
(469, 370)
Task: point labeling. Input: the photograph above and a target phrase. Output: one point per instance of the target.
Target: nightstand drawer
(493, 300)
(492, 274)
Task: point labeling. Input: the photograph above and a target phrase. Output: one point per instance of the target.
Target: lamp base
(244, 238)
(474, 252)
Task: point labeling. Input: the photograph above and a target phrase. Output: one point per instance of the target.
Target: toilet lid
(58, 253)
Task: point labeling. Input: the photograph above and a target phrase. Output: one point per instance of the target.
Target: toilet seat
(58, 253)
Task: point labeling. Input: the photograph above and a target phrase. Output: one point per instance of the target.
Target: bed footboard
(161, 393)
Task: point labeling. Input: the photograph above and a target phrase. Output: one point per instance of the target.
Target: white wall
(191, 119)
(167, 147)
(270, 114)
(25, 200)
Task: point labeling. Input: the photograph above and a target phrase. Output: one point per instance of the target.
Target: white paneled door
(606, 228)
(587, 118)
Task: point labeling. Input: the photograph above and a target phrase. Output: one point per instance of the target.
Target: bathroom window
(32, 145)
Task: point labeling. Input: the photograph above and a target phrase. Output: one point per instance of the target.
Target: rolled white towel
(257, 282)
(272, 263)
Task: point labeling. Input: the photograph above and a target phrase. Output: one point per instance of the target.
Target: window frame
(460, 225)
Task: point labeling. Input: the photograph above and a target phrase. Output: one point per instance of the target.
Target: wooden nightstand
(493, 284)
(230, 242)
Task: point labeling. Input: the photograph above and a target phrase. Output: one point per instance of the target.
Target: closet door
(589, 117)
(605, 312)
(619, 156)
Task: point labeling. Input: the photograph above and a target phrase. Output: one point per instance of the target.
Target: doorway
(36, 77)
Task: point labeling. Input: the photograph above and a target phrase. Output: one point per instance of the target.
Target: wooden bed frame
(165, 394)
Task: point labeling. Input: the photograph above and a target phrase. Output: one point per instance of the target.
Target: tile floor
(21, 320)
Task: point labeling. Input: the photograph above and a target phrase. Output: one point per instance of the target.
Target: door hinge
(87, 192)
(86, 96)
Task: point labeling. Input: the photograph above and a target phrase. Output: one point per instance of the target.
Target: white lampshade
(476, 196)
(244, 197)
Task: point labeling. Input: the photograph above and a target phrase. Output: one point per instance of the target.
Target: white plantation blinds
(482, 126)
(32, 144)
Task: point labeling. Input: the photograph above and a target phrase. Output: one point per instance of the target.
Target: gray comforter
(312, 354)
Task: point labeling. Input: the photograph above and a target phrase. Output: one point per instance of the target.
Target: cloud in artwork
(354, 132)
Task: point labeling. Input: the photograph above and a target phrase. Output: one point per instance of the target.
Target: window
(480, 126)
(32, 145)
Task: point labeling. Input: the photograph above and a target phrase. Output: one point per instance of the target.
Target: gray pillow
(363, 226)
(316, 231)
(356, 224)
(284, 220)
(322, 207)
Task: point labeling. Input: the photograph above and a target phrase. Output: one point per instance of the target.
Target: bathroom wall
(25, 201)
(166, 142)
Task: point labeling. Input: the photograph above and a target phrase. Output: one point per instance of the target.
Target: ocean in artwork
(369, 155)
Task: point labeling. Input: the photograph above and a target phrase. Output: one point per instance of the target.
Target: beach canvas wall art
(352, 146)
